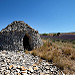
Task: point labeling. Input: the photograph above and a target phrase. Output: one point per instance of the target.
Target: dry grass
(60, 54)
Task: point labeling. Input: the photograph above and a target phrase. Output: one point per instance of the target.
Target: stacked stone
(19, 63)
(11, 38)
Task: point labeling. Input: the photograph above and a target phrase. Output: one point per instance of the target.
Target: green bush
(57, 40)
(54, 34)
(44, 34)
(58, 34)
(73, 42)
(53, 40)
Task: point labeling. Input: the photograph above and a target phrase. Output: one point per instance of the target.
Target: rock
(23, 68)
(15, 73)
(34, 65)
(8, 60)
(41, 73)
(8, 71)
(14, 66)
(28, 67)
(24, 71)
(48, 71)
(18, 74)
(8, 74)
(35, 68)
(18, 66)
(11, 66)
(47, 67)
(4, 52)
(47, 74)
(23, 61)
(18, 70)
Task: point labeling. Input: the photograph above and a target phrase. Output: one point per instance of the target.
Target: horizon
(46, 16)
(43, 32)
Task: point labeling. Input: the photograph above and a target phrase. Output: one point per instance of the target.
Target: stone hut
(19, 36)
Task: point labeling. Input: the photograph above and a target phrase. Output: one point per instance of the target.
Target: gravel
(19, 63)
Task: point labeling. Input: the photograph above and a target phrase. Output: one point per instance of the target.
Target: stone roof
(17, 26)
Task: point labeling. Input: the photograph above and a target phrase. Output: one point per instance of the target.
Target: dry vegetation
(61, 54)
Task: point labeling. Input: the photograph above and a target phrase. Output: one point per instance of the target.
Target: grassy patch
(61, 54)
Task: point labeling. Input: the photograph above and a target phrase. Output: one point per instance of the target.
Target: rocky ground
(19, 63)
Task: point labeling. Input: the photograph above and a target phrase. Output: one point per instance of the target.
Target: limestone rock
(11, 66)
(23, 68)
(29, 67)
(19, 36)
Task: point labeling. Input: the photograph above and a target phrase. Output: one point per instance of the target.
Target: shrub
(64, 41)
(44, 34)
(34, 52)
(53, 40)
(26, 51)
(72, 56)
(58, 40)
(60, 54)
(73, 42)
(54, 34)
(58, 34)
(66, 51)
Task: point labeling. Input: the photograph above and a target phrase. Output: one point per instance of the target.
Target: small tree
(58, 33)
(44, 34)
(54, 34)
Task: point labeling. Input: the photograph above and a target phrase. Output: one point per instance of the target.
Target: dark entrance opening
(26, 43)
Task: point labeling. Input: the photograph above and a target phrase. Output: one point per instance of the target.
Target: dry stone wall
(12, 37)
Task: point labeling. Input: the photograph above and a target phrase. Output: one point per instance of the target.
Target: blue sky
(46, 16)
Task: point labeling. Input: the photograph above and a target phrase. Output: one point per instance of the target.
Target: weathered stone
(18, 74)
(23, 68)
(24, 72)
(15, 73)
(29, 67)
(35, 68)
(18, 66)
(41, 73)
(47, 67)
(19, 36)
(11, 66)
(34, 65)
(47, 74)
(18, 70)
(8, 74)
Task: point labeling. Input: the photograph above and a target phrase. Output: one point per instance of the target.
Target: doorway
(26, 43)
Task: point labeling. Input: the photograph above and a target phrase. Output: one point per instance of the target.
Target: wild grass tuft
(61, 54)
